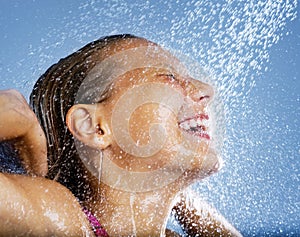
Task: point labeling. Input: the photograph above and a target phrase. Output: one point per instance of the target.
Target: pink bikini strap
(96, 226)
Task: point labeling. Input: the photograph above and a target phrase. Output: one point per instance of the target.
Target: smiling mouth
(196, 126)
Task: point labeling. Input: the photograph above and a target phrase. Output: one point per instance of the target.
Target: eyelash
(171, 76)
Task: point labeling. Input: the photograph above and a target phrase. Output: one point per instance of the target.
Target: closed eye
(170, 76)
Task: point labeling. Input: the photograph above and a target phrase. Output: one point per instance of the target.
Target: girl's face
(158, 120)
(155, 112)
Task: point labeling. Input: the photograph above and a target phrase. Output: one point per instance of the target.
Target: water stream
(249, 48)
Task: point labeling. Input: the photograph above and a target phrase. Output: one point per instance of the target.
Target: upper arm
(39, 207)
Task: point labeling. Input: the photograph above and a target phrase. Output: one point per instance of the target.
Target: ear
(88, 123)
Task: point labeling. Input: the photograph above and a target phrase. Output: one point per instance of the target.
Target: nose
(200, 91)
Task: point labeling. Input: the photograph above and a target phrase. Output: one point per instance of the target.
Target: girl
(127, 130)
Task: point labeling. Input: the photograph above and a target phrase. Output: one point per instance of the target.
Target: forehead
(128, 54)
(117, 46)
(123, 56)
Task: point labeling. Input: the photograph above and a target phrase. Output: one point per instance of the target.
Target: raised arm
(19, 125)
(31, 205)
(198, 218)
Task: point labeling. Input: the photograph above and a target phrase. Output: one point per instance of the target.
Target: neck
(127, 213)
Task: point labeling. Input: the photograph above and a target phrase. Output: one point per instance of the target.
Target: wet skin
(115, 207)
(121, 212)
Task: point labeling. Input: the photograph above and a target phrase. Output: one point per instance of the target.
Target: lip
(197, 116)
(194, 125)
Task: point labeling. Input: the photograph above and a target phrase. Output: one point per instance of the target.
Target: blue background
(251, 49)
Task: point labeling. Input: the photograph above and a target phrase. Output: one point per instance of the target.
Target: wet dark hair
(53, 95)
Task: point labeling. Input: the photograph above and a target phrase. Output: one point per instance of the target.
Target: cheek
(153, 118)
(172, 144)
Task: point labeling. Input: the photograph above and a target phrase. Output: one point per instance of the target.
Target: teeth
(205, 123)
(185, 126)
(193, 123)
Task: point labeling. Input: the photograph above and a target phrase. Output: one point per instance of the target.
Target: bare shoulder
(40, 207)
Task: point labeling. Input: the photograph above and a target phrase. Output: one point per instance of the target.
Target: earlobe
(88, 124)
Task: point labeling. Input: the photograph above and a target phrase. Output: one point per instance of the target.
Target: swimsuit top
(95, 224)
